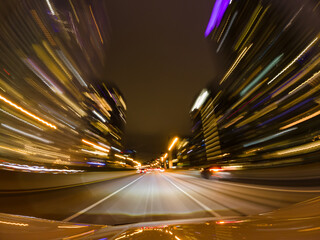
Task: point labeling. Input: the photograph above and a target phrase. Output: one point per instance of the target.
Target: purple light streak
(285, 112)
(218, 11)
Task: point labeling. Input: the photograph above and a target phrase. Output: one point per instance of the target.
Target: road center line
(205, 207)
(100, 201)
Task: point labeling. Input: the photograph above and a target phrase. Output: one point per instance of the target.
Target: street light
(173, 143)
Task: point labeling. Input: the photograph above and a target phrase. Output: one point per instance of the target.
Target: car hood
(299, 221)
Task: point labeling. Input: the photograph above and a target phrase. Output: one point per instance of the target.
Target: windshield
(119, 112)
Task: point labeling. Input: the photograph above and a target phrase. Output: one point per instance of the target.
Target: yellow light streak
(95, 146)
(135, 162)
(15, 150)
(302, 149)
(47, 60)
(301, 120)
(314, 62)
(224, 27)
(294, 60)
(248, 26)
(47, 47)
(165, 156)
(15, 224)
(27, 113)
(74, 11)
(139, 164)
(43, 28)
(314, 76)
(173, 143)
(258, 114)
(254, 28)
(96, 24)
(123, 103)
(119, 156)
(95, 152)
(242, 54)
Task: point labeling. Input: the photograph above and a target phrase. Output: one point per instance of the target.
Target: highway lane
(152, 197)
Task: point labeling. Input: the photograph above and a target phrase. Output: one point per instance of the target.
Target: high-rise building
(264, 107)
(55, 108)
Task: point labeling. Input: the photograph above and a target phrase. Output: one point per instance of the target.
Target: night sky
(160, 60)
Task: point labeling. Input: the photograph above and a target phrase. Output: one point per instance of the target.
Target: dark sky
(160, 60)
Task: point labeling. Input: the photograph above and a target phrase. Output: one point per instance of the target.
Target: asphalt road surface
(153, 197)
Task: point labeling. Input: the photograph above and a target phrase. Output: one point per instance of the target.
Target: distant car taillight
(215, 169)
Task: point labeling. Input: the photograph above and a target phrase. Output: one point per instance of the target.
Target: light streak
(120, 156)
(294, 60)
(46, 153)
(218, 11)
(301, 120)
(40, 74)
(201, 99)
(292, 19)
(43, 28)
(245, 104)
(96, 24)
(95, 146)
(224, 27)
(123, 103)
(104, 145)
(269, 137)
(50, 7)
(27, 113)
(135, 162)
(227, 31)
(173, 143)
(49, 63)
(285, 112)
(74, 11)
(255, 27)
(99, 116)
(165, 156)
(15, 224)
(15, 150)
(305, 148)
(6, 71)
(95, 152)
(26, 134)
(71, 68)
(261, 75)
(50, 51)
(20, 119)
(242, 54)
(96, 163)
(248, 26)
(314, 76)
(116, 149)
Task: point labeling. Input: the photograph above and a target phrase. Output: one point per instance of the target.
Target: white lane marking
(100, 201)
(269, 189)
(205, 207)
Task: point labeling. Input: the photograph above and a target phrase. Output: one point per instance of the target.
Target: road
(152, 197)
